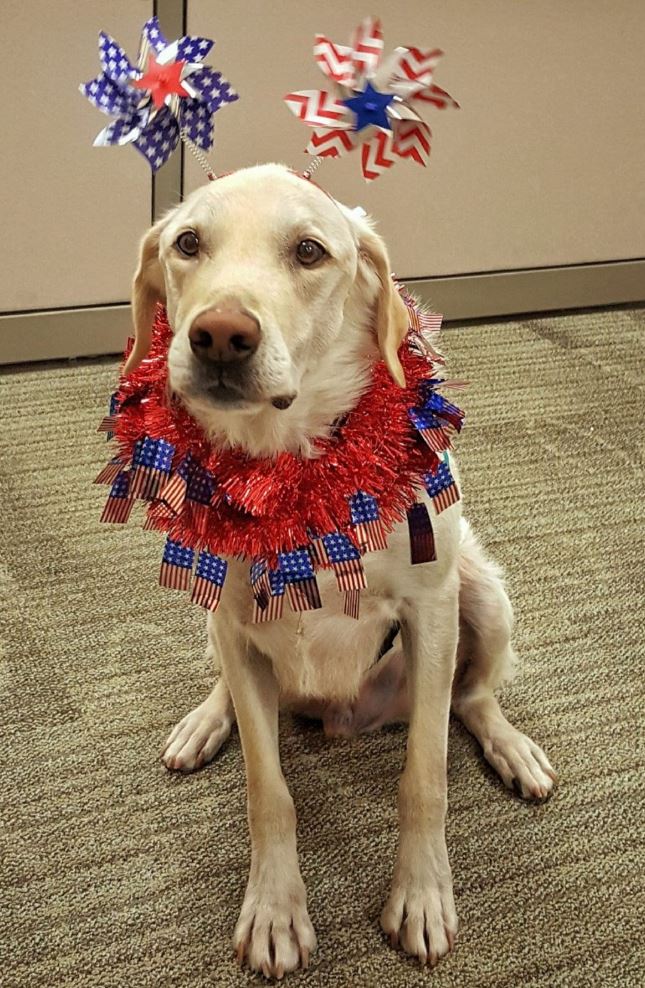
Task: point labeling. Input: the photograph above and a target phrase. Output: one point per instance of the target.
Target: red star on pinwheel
(399, 84)
(162, 81)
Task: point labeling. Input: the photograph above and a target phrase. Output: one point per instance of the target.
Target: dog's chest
(324, 652)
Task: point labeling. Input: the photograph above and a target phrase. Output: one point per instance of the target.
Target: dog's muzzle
(223, 342)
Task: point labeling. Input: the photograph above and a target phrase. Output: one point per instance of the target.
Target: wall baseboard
(57, 334)
(504, 293)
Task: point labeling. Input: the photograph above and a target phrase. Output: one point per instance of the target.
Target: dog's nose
(221, 336)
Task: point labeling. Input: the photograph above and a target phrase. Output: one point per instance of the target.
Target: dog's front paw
(198, 737)
(521, 763)
(419, 914)
(274, 934)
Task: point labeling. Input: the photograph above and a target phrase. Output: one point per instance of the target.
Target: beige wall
(71, 213)
(541, 169)
(542, 166)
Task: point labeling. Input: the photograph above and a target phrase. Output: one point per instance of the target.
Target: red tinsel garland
(262, 506)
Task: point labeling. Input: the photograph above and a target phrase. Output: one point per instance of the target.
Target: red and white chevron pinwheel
(375, 103)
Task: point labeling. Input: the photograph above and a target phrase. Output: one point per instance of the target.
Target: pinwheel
(375, 103)
(168, 95)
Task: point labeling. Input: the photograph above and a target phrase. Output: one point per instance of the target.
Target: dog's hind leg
(486, 659)
(198, 737)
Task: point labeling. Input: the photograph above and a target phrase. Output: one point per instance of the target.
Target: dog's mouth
(222, 389)
(226, 395)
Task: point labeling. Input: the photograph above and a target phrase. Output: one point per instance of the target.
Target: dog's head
(258, 271)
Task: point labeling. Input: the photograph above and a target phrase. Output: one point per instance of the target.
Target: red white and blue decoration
(287, 516)
(169, 94)
(375, 102)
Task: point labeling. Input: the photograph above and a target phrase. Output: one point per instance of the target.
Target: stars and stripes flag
(425, 326)
(199, 492)
(441, 487)
(118, 506)
(352, 603)
(422, 547)
(108, 422)
(345, 560)
(365, 519)
(319, 552)
(300, 579)
(436, 404)
(274, 601)
(336, 551)
(156, 517)
(151, 465)
(176, 566)
(111, 470)
(260, 584)
(173, 492)
(431, 428)
(209, 580)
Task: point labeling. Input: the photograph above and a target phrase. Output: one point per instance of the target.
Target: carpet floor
(117, 873)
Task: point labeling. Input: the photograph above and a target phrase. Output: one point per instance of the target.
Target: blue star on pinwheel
(369, 108)
(169, 95)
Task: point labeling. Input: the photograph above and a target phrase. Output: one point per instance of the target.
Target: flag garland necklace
(287, 516)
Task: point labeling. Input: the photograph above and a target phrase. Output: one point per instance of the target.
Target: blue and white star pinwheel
(168, 95)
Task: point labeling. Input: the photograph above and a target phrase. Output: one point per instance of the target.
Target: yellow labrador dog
(280, 300)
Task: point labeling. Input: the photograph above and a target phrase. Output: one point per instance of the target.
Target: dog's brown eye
(310, 252)
(188, 243)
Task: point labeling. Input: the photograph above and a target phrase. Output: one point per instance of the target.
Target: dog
(280, 300)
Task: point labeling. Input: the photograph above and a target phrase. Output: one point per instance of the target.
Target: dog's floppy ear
(148, 288)
(391, 313)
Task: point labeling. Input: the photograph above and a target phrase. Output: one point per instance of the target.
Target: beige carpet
(116, 873)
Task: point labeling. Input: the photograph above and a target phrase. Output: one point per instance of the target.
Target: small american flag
(176, 566)
(260, 583)
(440, 406)
(151, 464)
(118, 506)
(441, 487)
(111, 470)
(108, 422)
(352, 603)
(430, 428)
(173, 492)
(319, 553)
(275, 602)
(345, 560)
(422, 548)
(298, 572)
(209, 580)
(156, 516)
(199, 492)
(425, 325)
(364, 515)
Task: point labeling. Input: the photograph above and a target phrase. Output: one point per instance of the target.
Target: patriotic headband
(169, 95)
